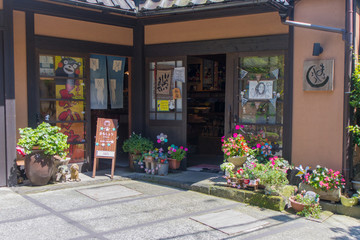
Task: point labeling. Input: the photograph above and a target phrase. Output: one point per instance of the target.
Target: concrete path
(158, 212)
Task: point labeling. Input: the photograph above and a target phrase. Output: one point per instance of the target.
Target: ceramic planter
(298, 207)
(39, 167)
(163, 169)
(237, 161)
(330, 195)
(349, 202)
(173, 163)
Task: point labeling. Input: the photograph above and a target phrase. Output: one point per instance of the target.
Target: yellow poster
(163, 105)
(69, 67)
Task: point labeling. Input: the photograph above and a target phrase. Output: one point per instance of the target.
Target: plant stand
(150, 165)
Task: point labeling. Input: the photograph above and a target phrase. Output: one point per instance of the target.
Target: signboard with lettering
(105, 143)
(318, 75)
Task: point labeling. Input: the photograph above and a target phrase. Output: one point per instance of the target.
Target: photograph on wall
(69, 67)
(116, 67)
(98, 82)
(318, 75)
(260, 90)
(46, 66)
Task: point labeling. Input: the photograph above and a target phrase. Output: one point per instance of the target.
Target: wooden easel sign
(105, 143)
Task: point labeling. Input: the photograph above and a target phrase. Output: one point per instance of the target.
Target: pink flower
(235, 135)
(237, 127)
(20, 151)
(321, 183)
(174, 150)
(228, 153)
(223, 137)
(186, 149)
(258, 145)
(159, 141)
(241, 126)
(181, 147)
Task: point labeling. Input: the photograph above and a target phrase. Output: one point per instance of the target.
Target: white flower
(317, 179)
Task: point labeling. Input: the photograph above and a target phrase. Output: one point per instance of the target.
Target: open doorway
(205, 110)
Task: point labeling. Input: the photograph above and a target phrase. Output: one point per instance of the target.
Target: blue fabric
(116, 66)
(98, 88)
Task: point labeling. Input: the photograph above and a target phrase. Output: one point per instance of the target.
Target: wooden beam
(10, 111)
(73, 13)
(63, 44)
(3, 171)
(220, 46)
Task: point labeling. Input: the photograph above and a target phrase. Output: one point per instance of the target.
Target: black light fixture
(317, 49)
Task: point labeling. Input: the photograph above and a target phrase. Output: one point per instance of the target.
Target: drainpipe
(349, 64)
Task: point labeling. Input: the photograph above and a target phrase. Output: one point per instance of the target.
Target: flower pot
(139, 167)
(173, 163)
(237, 161)
(132, 157)
(298, 207)
(39, 167)
(163, 169)
(349, 202)
(330, 195)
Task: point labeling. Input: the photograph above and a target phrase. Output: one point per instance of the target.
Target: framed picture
(260, 90)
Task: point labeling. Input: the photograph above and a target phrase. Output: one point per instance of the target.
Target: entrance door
(255, 96)
(164, 113)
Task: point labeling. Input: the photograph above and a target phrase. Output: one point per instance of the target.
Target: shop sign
(318, 75)
(163, 105)
(106, 135)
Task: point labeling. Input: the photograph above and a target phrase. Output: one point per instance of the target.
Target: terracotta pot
(39, 167)
(330, 195)
(296, 205)
(173, 163)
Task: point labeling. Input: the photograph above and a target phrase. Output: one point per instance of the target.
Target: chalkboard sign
(105, 143)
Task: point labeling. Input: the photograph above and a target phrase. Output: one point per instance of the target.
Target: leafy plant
(312, 207)
(48, 138)
(227, 166)
(137, 144)
(355, 103)
(178, 153)
(235, 145)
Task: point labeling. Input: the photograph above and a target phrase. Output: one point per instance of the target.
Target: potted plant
(306, 205)
(45, 148)
(274, 176)
(228, 168)
(235, 148)
(348, 201)
(326, 182)
(162, 163)
(176, 154)
(135, 145)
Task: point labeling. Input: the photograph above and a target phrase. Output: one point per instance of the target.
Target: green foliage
(46, 137)
(355, 130)
(137, 144)
(178, 153)
(312, 207)
(355, 103)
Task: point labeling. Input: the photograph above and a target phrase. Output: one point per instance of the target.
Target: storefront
(239, 65)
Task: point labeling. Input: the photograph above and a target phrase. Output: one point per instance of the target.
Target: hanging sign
(163, 105)
(115, 72)
(318, 75)
(163, 82)
(98, 82)
(179, 74)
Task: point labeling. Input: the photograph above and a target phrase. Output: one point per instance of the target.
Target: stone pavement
(157, 212)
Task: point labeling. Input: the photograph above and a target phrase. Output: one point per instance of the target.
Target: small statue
(63, 170)
(74, 172)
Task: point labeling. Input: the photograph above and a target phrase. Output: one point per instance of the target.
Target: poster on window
(163, 82)
(115, 66)
(71, 67)
(260, 90)
(46, 66)
(98, 82)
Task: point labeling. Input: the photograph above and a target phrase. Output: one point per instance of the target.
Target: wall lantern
(317, 49)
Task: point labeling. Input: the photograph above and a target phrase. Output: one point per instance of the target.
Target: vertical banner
(115, 67)
(98, 82)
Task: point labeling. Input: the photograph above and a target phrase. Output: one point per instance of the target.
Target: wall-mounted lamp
(317, 49)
